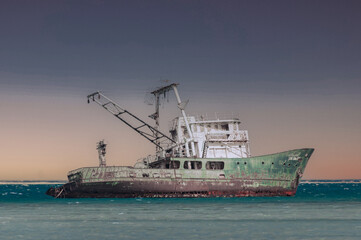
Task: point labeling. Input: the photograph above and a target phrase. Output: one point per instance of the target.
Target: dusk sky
(290, 69)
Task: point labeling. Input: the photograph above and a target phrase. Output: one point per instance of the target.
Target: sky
(290, 69)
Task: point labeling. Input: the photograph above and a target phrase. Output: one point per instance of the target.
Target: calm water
(319, 211)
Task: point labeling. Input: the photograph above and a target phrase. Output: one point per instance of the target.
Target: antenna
(101, 147)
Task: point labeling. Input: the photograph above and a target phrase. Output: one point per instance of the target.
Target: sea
(320, 210)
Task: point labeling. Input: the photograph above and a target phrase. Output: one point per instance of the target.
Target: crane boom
(150, 133)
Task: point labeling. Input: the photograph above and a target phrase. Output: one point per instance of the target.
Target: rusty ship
(201, 157)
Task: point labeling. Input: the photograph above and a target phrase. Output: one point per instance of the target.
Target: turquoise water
(320, 210)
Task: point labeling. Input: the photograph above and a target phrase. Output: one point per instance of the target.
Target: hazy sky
(291, 69)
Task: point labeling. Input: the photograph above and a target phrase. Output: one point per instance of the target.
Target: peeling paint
(261, 176)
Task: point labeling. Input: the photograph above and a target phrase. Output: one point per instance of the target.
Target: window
(172, 165)
(192, 165)
(224, 127)
(185, 132)
(215, 165)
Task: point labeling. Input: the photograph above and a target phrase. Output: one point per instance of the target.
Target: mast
(157, 93)
(181, 106)
(155, 116)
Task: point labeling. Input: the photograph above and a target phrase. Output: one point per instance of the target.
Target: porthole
(262, 162)
(284, 163)
(237, 163)
(273, 163)
(245, 163)
(289, 164)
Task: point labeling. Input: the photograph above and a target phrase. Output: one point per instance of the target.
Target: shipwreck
(201, 157)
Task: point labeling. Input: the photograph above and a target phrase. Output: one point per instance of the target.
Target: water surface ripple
(320, 210)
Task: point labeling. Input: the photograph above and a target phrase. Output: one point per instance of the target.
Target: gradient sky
(291, 69)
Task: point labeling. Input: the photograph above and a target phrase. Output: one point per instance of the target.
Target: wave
(12, 182)
(326, 181)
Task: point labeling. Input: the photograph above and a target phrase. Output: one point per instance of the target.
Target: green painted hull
(269, 175)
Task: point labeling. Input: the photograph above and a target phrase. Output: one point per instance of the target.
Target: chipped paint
(268, 175)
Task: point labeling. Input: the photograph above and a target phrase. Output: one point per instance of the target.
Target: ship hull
(107, 190)
(268, 175)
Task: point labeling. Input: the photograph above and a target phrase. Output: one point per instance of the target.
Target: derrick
(162, 141)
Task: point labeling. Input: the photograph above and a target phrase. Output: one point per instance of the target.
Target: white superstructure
(191, 136)
(212, 138)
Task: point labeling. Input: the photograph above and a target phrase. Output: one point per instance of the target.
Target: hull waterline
(269, 175)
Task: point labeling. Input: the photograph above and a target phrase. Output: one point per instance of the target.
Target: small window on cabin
(185, 132)
(225, 127)
(216, 126)
(215, 165)
(172, 165)
(209, 127)
(192, 165)
(202, 128)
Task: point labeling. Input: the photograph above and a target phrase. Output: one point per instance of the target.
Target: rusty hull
(269, 175)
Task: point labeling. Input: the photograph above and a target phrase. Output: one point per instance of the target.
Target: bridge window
(225, 127)
(192, 165)
(172, 165)
(215, 165)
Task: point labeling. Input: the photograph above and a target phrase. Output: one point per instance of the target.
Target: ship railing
(206, 117)
(216, 116)
(233, 137)
(74, 171)
(147, 160)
